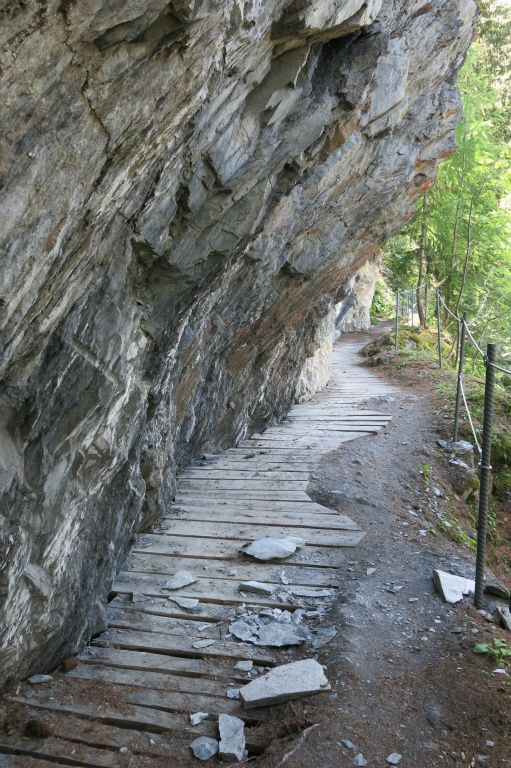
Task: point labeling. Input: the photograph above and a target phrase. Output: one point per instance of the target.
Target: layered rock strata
(186, 189)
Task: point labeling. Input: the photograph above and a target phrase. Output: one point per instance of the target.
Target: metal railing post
(397, 322)
(461, 360)
(439, 329)
(485, 481)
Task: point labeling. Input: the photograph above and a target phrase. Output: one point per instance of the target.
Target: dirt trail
(404, 675)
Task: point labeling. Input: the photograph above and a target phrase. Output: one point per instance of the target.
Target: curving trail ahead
(132, 689)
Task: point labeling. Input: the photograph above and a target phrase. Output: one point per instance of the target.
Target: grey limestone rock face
(186, 189)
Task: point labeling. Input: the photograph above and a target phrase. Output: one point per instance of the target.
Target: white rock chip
(232, 737)
(198, 717)
(203, 748)
(179, 580)
(452, 588)
(290, 681)
(233, 693)
(272, 549)
(394, 758)
(257, 588)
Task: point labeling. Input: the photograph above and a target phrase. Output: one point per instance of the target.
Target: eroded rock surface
(186, 189)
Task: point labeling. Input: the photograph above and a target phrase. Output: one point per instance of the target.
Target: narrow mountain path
(169, 651)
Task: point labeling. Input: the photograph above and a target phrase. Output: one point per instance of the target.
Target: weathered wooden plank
(153, 662)
(205, 502)
(201, 486)
(25, 761)
(176, 646)
(214, 473)
(133, 619)
(139, 742)
(154, 680)
(323, 537)
(141, 718)
(127, 695)
(259, 517)
(206, 590)
(224, 569)
(52, 749)
(190, 546)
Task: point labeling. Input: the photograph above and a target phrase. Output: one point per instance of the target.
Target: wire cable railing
(405, 307)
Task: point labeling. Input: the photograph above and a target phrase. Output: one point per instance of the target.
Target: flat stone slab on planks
(272, 549)
(452, 588)
(179, 580)
(290, 681)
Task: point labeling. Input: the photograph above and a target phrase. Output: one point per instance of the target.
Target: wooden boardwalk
(131, 691)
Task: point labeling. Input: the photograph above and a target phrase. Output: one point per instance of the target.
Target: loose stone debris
(267, 631)
(452, 588)
(233, 693)
(204, 747)
(314, 593)
(232, 737)
(35, 679)
(347, 744)
(203, 643)
(189, 603)
(179, 580)
(198, 717)
(505, 617)
(359, 760)
(394, 758)
(257, 588)
(272, 549)
(284, 683)
(244, 666)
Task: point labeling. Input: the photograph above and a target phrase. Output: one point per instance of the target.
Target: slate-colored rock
(179, 580)
(284, 683)
(257, 588)
(394, 758)
(36, 679)
(204, 748)
(359, 760)
(203, 643)
(245, 665)
(232, 737)
(188, 603)
(188, 188)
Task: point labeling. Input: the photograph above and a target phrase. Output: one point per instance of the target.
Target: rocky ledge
(187, 189)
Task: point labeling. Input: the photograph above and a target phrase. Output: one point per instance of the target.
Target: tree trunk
(422, 263)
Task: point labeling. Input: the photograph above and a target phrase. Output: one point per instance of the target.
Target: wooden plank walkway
(132, 689)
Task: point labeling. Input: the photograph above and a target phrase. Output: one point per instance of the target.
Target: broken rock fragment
(189, 603)
(179, 580)
(232, 737)
(257, 588)
(204, 747)
(197, 717)
(272, 549)
(452, 588)
(284, 683)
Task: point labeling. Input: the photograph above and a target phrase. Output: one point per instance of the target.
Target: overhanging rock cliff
(186, 188)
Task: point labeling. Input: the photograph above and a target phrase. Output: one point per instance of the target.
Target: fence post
(397, 322)
(485, 480)
(426, 309)
(439, 329)
(461, 360)
(412, 293)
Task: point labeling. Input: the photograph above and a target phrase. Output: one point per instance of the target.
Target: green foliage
(465, 228)
(383, 302)
(498, 651)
